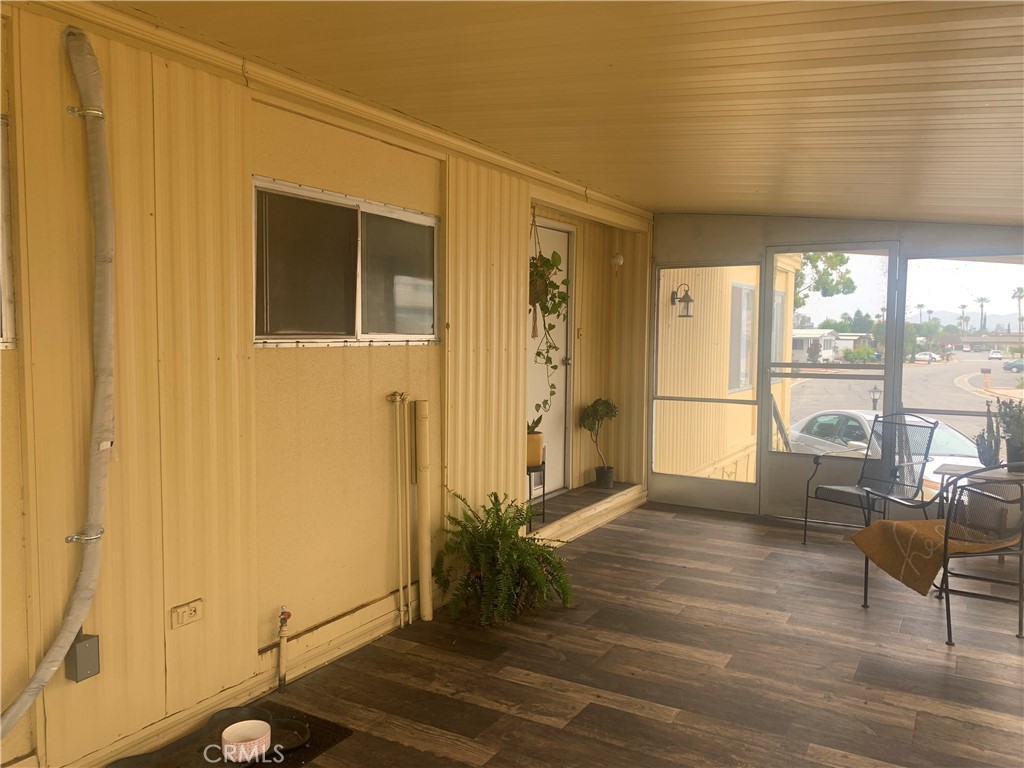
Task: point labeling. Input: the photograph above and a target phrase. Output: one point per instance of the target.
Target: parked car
(995, 354)
(846, 432)
(1015, 366)
(967, 347)
(927, 357)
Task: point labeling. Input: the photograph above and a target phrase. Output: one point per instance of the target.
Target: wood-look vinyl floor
(698, 639)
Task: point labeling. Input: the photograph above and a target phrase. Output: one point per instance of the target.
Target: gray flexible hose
(90, 86)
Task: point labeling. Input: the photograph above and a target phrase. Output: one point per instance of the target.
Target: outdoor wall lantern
(685, 301)
(875, 393)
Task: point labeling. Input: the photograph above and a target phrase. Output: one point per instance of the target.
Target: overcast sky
(941, 285)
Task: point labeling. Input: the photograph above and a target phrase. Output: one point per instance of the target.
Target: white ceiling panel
(892, 110)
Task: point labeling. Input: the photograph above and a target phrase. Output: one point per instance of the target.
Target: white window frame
(361, 206)
(748, 292)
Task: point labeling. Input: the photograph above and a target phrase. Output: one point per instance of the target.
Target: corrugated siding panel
(14, 566)
(206, 378)
(323, 423)
(610, 351)
(628, 319)
(56, 304)
(487, 249)
(693, 361)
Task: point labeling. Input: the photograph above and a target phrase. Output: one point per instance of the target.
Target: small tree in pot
(592, 418)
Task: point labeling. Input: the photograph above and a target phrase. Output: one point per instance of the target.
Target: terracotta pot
(534, 449)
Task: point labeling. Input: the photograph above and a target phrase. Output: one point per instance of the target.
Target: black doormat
(201, 748)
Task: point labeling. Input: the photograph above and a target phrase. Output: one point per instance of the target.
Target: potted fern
(592, 418)
(488, 564)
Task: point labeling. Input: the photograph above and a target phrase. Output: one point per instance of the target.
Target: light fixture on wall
(681, 297)
(875, 393)
(617, 261)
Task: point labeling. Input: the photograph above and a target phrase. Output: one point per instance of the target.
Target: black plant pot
(605, 477)
(1015, 456)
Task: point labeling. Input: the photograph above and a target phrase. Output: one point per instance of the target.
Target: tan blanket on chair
(911, 550)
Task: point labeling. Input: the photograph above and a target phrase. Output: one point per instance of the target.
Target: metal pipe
(86, 70)
(407, 475)
(423, 514)
(398, 399)
(282, 648)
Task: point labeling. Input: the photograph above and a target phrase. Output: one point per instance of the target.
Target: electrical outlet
(186, 613)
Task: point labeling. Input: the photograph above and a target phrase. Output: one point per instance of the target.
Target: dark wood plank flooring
(697, 639)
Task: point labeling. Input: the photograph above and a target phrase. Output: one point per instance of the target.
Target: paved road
(955, 385)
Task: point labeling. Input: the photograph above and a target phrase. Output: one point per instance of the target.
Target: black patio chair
(892, 471)
(984, 518)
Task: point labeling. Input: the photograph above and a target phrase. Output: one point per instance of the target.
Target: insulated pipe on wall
(87, 74)
(423, 507)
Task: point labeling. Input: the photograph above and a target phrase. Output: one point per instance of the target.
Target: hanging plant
(549, 303)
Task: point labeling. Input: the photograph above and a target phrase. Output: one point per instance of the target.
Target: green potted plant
(1010, 414)
(989, 440)
(488, 564)
(592, 418)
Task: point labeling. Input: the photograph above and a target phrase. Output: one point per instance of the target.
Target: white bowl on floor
(245, 741)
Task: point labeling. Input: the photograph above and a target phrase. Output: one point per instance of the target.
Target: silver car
(845, 433)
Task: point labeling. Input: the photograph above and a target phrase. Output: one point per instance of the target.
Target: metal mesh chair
(984, 518)
(892, 472)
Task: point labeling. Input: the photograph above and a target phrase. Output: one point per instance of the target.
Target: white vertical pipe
(423, 508)
(406, 512)
(398, 398)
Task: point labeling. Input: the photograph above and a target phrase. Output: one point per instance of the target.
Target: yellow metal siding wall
(199, 413)
(14, 637)
(14, 634)
(325, 480)
(485, 367)
(610, 349)
(693, 361)
(55, 303)
(206, 378)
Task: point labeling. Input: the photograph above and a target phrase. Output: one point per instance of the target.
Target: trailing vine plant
(549, 303)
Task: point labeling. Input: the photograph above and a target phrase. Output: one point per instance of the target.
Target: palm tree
(963, 317)
(930, 313)
(883, 314)
(1018, 294)
(920, 313)
(982, 301)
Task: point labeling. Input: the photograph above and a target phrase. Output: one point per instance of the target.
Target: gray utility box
(83, 659)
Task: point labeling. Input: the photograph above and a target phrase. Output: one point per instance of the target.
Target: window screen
(306, 256)
(398, 276)
(333, 267)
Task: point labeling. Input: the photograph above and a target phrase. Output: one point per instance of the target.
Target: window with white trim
(335, 268)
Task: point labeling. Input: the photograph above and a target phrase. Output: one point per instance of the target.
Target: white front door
(554, 424)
